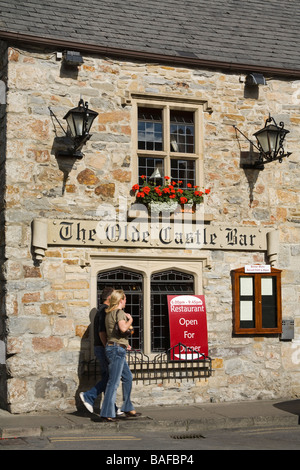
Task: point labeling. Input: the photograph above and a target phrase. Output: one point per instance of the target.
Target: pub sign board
(188, 327)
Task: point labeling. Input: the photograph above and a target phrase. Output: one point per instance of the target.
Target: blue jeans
(100, 387)
(118, 368)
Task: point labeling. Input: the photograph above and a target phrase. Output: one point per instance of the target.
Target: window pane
(268, 301)
(183, 170)
(246, 310)
(152, 168)
(150, 129)
(182, 131)
(247, 317)
(246, 285)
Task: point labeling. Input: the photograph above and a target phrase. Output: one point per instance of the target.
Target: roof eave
(143, 55)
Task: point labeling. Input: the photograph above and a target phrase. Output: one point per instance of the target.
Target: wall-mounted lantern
(270, 141)
(72, 58)
(255, 79)
(79, 122)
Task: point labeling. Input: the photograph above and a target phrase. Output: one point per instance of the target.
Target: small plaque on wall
(257, 268)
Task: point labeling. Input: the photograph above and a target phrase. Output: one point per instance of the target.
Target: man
(88, 398)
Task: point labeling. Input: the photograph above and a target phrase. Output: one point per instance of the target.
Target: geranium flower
(169, 192)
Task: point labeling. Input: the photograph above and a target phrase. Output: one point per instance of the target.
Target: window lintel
(174, 99)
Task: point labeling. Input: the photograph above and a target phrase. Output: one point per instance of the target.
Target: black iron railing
(162, 366)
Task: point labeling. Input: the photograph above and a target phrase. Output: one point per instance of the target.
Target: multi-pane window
(162, 284)
(183, 170)
(150, 129)
(152, 168)
(182, 131)
(132, 285)
(257, 302)
(168, 143)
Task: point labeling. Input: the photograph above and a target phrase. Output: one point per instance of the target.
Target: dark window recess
(150, 129)
(163, 284)
(268, 303)
(132, 284)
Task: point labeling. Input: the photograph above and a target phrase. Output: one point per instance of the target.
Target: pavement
(178, 419)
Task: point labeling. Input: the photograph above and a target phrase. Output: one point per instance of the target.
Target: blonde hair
(114, 300)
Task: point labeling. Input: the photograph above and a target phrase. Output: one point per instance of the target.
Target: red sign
(188, 327)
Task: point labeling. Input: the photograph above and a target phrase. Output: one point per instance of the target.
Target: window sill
(187, 217)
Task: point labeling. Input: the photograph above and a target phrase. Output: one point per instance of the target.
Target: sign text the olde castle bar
(143, 234)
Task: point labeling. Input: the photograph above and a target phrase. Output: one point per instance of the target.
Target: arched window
(165, 283)
(132, 284)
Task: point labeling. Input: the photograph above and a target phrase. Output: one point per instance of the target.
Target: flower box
(168, 196)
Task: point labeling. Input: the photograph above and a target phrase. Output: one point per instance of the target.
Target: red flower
(198, 193)
(172, 196)
(167, 177)
(146, 190)
(166, 190)
(143, 176)
(207, 191)
(140, 194)
(183, 200)
(179, 190)
(135, 187)
(189, 185)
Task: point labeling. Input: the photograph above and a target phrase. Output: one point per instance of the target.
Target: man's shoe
(87, 404)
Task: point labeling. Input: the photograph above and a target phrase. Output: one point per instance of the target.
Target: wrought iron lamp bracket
(264, 157)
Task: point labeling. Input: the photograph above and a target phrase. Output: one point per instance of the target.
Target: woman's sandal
(109, 420)
(130, 414)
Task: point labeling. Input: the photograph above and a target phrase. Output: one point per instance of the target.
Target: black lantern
(269, 143)
(79, 122)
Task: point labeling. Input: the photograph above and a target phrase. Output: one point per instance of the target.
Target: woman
(115, 349)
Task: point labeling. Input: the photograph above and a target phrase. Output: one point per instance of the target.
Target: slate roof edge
(143, 55)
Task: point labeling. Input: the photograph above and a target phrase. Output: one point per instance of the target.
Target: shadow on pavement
(291, 406)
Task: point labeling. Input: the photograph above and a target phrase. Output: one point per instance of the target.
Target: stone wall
(48, 303)
(3, 78)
